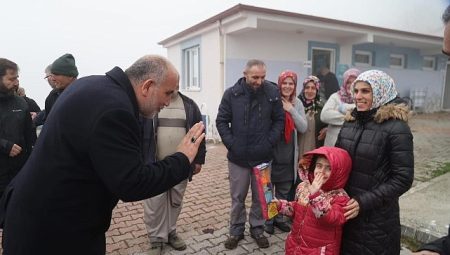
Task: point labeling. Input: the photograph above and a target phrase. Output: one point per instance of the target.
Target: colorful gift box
(265, 190)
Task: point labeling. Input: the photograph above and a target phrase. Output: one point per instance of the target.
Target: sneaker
(232, 241)
(155, 249)
(283, 226)
(261, 240)
(176, 242)
(269, 229)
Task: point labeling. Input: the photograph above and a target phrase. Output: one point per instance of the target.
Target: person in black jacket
(249, 121)
(34, 109)
(15, 125)
(63, 73)
(377, 137)
(88, 156)
(328, 81)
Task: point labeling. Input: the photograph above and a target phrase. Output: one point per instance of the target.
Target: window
(397, 61)
(429, 63)
(363, 58)
(191, 68)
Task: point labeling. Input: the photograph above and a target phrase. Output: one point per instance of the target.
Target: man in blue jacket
(88, 156)
(249, 121)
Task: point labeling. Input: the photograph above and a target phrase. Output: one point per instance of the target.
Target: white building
(211, 55)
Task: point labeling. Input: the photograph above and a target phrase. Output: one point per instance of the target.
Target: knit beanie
(65, 65)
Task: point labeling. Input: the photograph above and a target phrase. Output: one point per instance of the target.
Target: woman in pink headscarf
(285, 152)
(336, 107)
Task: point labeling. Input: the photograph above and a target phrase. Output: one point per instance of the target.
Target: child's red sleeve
(286, 208)
(335, 216)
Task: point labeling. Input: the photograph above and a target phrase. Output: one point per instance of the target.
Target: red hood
(340, 163)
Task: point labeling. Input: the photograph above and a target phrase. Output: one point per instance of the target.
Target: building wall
(412, 79)
(281, 51)
(211, 91)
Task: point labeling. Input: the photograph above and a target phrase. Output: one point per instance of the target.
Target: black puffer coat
(250, 122)
(15, 128)
(381, 147)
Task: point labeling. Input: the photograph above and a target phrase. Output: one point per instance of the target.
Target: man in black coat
(249, 121)
(15, 125)
(88, 156)
(329, 82)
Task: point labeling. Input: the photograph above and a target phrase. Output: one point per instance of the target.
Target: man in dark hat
(63, 73)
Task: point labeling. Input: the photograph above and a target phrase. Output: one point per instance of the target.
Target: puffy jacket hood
(340, 163)
(395, 110)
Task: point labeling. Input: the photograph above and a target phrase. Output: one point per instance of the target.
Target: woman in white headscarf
(336, 107)
(377, 137)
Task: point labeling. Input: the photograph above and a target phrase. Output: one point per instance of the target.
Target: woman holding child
(380, 143)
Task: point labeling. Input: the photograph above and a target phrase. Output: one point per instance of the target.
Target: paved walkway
(203, 222)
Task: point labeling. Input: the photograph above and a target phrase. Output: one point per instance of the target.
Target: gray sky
(102, 34)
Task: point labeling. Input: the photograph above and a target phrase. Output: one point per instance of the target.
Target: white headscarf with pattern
(383, 86)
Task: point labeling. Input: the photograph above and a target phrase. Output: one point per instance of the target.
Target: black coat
(87, 157)
(250, 123)
(381, 148)
(15, 128)
(440, 245)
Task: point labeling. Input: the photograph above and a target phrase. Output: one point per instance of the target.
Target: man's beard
(5, 90)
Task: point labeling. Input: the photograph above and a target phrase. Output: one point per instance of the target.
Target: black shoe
(261, 240)
(283, 226)
(269, 229)
(232, 241)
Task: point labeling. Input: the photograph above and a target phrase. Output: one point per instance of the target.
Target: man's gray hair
(446, 15)
(48, 69)
(149, 67)
(254, 62)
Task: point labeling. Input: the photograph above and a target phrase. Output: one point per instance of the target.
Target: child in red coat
(317, 212)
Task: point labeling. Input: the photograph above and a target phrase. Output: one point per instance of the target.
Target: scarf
(344, 94)
(288, 126)
(288, 121)
(383, 86)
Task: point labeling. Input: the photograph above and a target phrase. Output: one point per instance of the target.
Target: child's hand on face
(317, 183)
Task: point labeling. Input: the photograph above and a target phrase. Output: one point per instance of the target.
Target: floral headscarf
(288, 74)
(311, 104)
(383, 87)
(343, 93)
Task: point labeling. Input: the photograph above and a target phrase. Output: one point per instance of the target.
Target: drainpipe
(221, 57)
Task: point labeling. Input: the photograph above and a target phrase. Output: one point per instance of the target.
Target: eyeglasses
(48, 76)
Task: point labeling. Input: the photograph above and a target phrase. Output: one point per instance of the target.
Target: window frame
(191, 68)
(400, 56)
(433, 60)
(363, 52)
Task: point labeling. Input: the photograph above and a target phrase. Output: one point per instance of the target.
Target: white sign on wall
(307, 64)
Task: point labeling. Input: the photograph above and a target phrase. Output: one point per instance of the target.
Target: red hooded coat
(318, 218)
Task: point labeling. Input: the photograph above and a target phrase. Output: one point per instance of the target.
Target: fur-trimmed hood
(385, 112)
